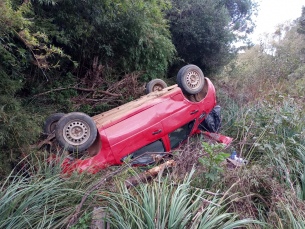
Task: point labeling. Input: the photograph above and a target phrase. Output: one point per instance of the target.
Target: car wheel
(155, 85)
(190, 79)
(51, 122)
(76, 131)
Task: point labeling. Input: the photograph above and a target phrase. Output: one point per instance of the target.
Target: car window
(156, 146)
(181, 134)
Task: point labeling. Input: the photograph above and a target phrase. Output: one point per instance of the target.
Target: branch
(209, 202)
(135, 180)
(200, 189)
(78, 88)
(26, 2)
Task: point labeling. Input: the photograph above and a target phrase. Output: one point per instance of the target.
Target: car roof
(127, 110)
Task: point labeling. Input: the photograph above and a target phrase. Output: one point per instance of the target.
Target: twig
(207, 192)
(93, 90)
(44, 93)
(209, 202)
(78, 88)
(135, 180)
(40, 144)
(201, 208)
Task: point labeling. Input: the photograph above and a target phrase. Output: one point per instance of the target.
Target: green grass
(163, 204)
(41, 197)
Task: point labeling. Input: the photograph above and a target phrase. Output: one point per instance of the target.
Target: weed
(212, 160)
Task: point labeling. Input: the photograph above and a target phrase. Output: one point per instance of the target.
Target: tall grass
(270, 189)
(163, 204)
(270, 134)
(41, 197)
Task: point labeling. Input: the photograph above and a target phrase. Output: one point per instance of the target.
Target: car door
(180, 118)
(134, 132)
(146, 159)
(181, 134)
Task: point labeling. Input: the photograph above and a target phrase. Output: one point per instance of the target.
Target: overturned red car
(157, 122)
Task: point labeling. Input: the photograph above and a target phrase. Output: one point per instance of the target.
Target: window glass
(181, 134)
(156, 146)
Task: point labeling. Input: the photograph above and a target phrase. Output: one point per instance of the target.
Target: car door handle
(194, 112)
(159, 131)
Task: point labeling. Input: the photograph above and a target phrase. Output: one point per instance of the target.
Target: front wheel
(51, 122)
(190, 79)
(76, 131)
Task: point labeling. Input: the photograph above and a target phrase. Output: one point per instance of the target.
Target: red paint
(218, 137)
(135, 130)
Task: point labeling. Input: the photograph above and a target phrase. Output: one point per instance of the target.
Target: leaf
(210, 176)
(201, 160)
(206, 145)
(225, 155)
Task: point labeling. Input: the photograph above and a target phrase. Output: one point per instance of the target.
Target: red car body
(152, 119)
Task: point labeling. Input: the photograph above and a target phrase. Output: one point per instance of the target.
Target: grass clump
(164, 204)
(41, 197)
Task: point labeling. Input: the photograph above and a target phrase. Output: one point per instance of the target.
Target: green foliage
(40, 197)
(274, 124)
(241, 12)
(271, 134)
(277, 63)
(213, 160)
(204, 37)
(83, 222)
(18, 125)
(126, 35)
(301, 28)
(162, 205)
(18, 46)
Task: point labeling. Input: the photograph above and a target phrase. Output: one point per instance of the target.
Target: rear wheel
(155, 85)
(190, 79)
(76, 131)
(51, 122)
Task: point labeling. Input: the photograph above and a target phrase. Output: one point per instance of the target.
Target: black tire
(50, 124)
(190, 79)
(155, 85)
(76, 131)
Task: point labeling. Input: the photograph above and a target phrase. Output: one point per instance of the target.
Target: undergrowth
(203, 190)
(270, 134)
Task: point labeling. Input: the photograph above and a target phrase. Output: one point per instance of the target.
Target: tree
(48, 44)
(241, 12)
(301, 28)
(125, 35)
(203, 30)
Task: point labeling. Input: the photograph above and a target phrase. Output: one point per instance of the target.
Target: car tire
(190, 79)
(76, 131)
(155, 85)
(50, 124)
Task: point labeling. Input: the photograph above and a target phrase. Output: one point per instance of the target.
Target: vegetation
(203, 30)
(61, 56)
(56, 55)
(39, 197)
(165, 205)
